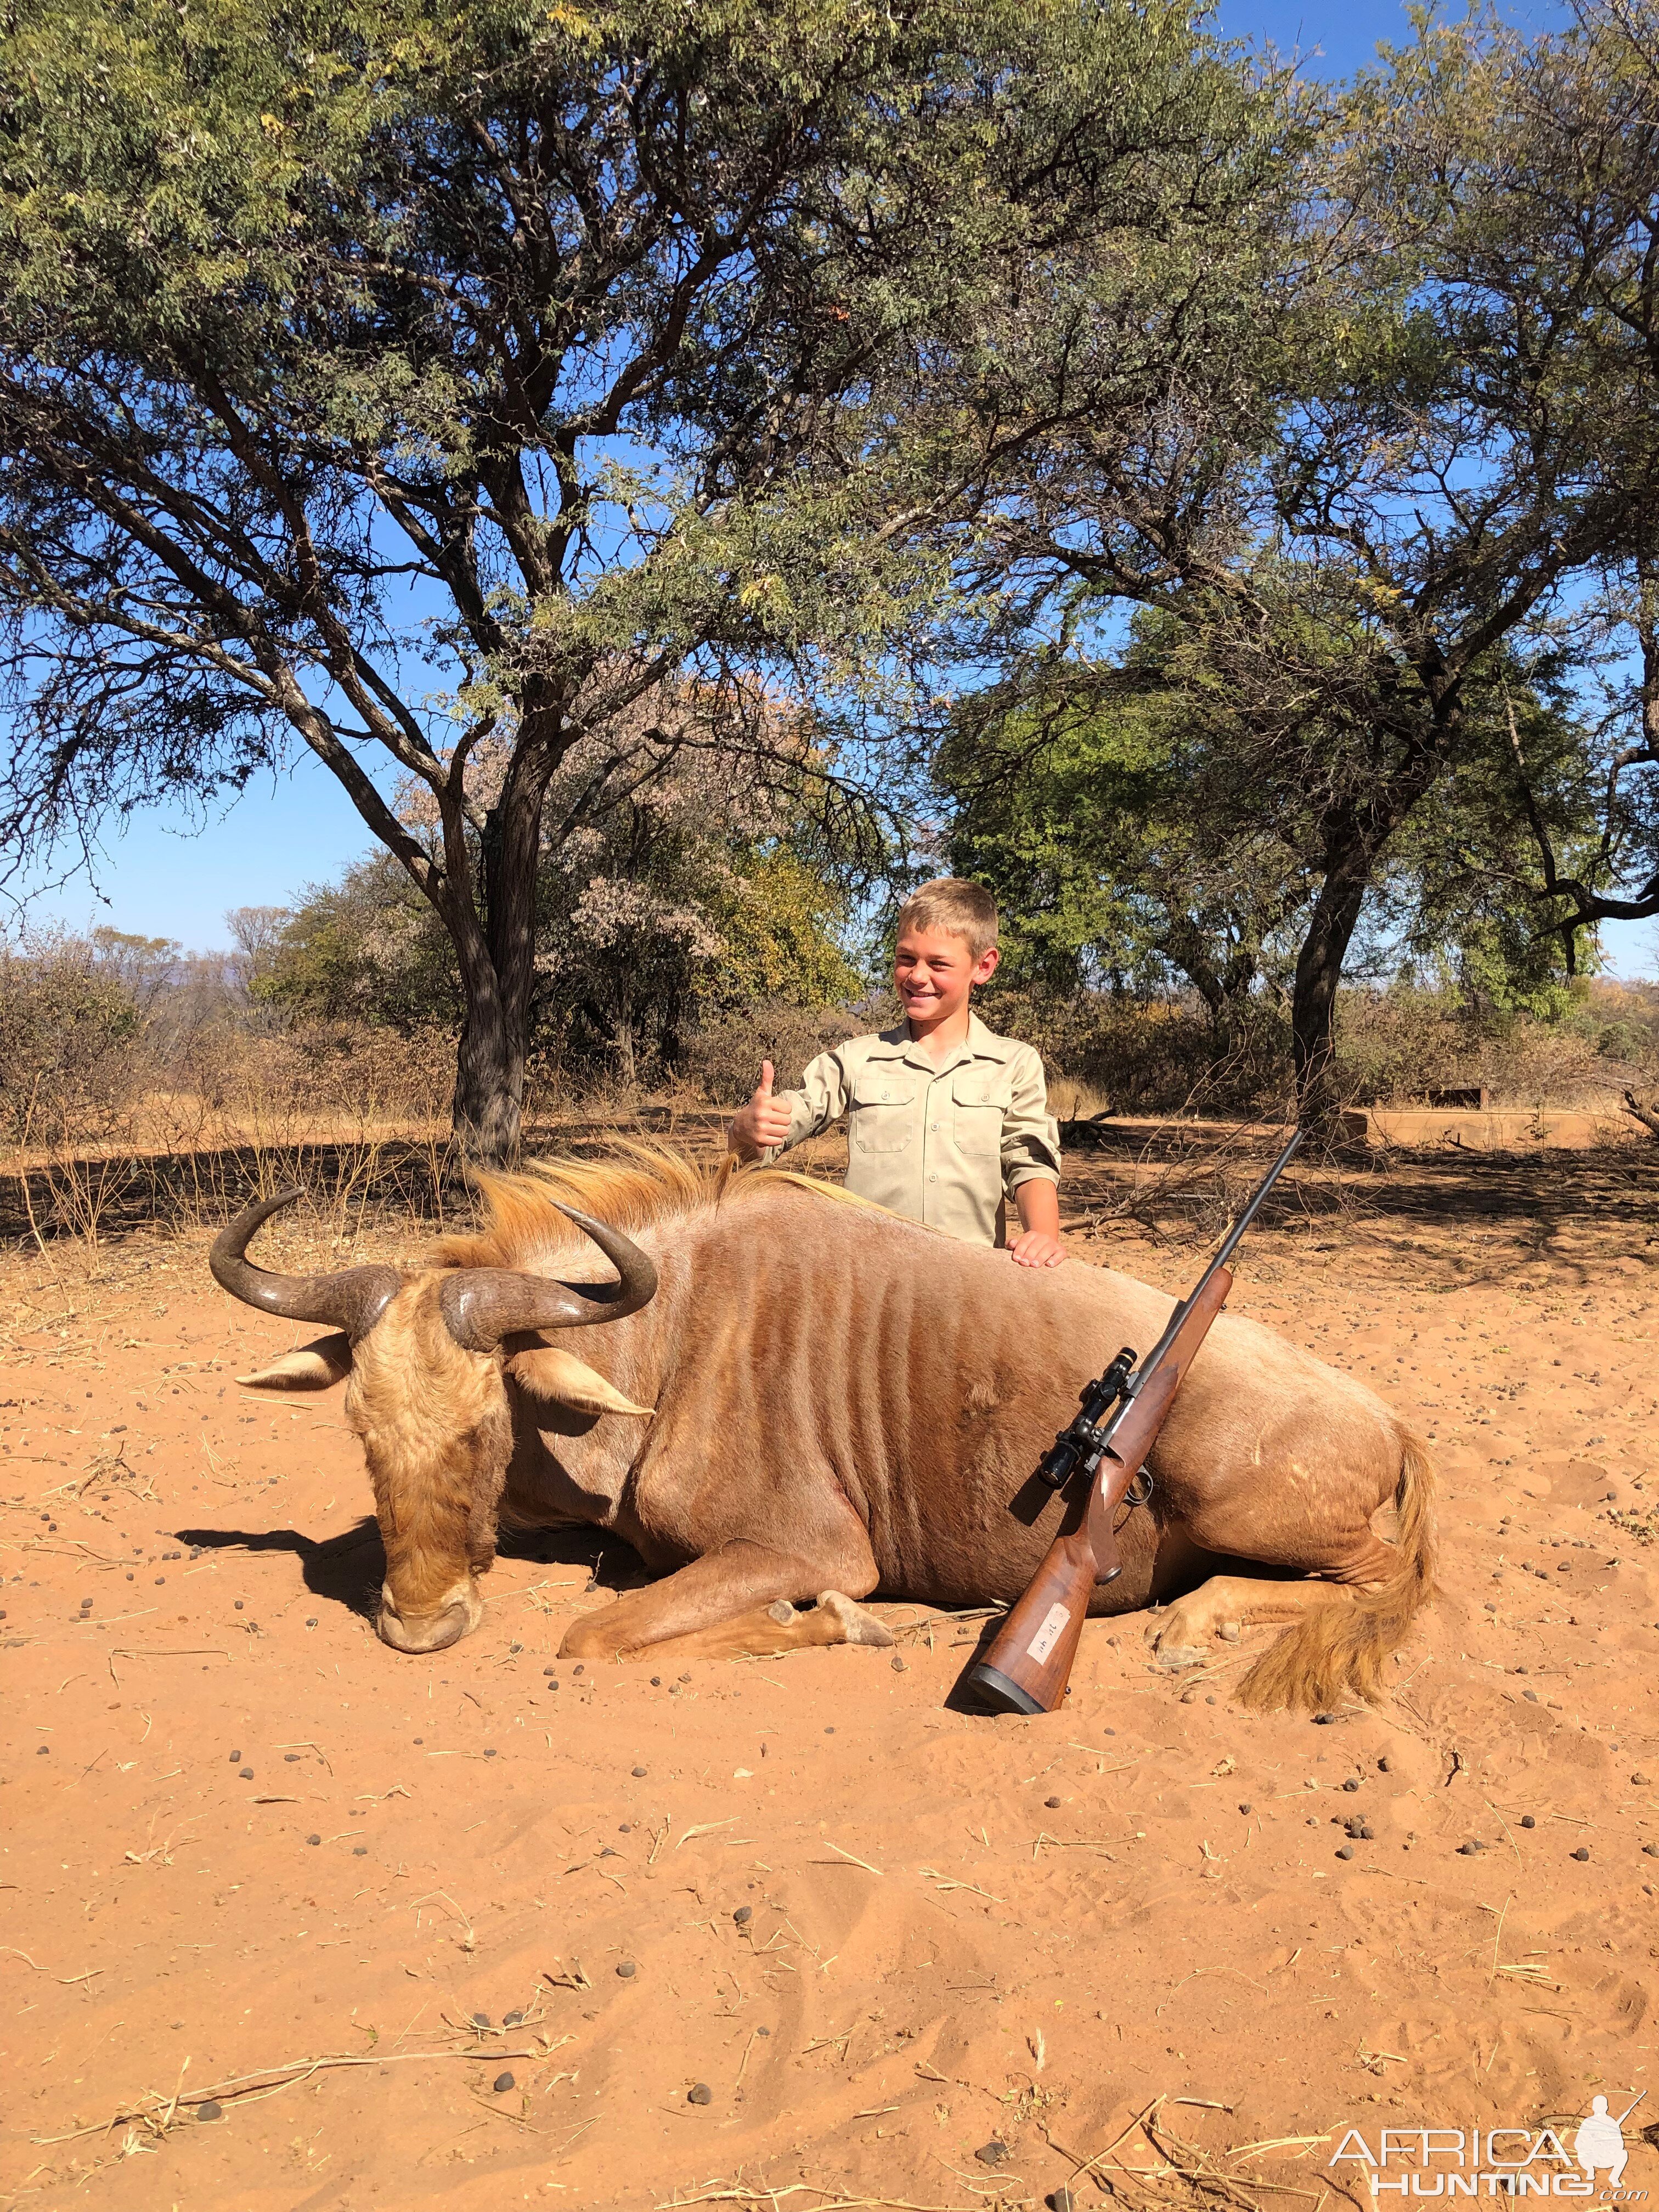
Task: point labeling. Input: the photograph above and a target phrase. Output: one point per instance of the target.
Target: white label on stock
(1053, 1628)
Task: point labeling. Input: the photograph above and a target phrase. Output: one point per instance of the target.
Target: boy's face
(933, 973)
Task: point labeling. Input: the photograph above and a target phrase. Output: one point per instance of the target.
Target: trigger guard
(1140, 1488)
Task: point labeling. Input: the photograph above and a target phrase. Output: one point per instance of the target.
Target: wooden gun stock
(1027, 1664)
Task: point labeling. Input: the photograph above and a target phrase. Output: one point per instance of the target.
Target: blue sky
(174, 877)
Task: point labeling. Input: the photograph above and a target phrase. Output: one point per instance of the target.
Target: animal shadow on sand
(348, 1569)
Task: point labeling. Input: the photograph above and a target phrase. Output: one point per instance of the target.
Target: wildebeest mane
(634, 1187)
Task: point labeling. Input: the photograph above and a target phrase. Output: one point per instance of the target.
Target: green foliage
(367, 949)
(781, 925)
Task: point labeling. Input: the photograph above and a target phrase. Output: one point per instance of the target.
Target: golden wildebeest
(795, 1393)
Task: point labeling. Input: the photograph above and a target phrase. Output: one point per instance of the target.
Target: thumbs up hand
(763, 1123)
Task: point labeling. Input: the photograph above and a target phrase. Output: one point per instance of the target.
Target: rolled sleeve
(821, 1100)
(1030, 1135)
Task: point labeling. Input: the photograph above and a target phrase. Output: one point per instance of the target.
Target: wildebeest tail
(1338, 1649)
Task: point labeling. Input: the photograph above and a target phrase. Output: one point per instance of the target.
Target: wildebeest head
(422, 1353)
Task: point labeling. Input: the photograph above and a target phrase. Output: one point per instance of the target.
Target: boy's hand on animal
(763, 1123)
(1037, 1247)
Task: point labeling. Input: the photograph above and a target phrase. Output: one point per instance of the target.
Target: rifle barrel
(1229, 1245)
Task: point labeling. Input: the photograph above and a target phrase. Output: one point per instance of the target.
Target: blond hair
(956, 907)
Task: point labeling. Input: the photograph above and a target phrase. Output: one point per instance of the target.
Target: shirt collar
(981, 1043)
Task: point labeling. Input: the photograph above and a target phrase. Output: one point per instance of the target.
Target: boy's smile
(933, 973)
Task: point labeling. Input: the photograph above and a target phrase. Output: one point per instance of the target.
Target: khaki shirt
(944, 1143)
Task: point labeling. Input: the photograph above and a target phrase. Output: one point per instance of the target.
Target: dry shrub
(723, 1057)
(1105, 1052)
(129, 1099)
(1397, 1046)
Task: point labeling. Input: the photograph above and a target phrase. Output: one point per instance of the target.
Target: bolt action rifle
(1029, 1662)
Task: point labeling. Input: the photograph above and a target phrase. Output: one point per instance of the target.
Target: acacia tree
(1368, 479)
(398, 378)
(1556, 144)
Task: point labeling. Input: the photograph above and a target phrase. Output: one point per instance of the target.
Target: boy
(946, 1119)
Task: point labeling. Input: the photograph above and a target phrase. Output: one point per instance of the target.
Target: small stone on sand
(1582, 1851)
(744, 1915)
(313, 1839)
(1344, 1851)
(503, 2083)
(481, 2020)
(512, 2020)
(235, 1758)
(700, 2094)
(247, 1774)
(899, 1666)
(1244, 1808)
(995, 2153)
(639, 1774)
(1469, 1850)
(627, 1969)
(210, 2111)
(1527, 1822)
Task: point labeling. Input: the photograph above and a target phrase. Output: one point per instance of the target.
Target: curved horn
(353, 1299)
(481, 1305)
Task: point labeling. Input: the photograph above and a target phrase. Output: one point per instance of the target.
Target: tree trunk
(1319, 971)
(498, 959)
(487, 1111)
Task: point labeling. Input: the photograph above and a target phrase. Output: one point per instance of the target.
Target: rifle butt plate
(997, 1694)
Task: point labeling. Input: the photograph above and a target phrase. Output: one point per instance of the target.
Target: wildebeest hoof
(782, 1612)
(1176, 1658)
(858, 1623)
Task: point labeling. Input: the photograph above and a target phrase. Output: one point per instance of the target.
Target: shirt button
(934, 1125)
(932, 1178)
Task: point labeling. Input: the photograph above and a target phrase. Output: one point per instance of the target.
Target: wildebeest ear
(311, 1367)
(567, 1380)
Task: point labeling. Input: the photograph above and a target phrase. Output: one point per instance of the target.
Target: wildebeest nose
(420, 1637)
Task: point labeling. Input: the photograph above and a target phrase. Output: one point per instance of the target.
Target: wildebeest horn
(481, 1305)
(353, 1299)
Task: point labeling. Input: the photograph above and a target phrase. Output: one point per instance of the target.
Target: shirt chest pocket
(883, 1118)
(978, 1104)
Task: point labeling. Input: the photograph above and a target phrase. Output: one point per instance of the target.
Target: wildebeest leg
(768, 1631)
(735, 1579)
(1181, 1636)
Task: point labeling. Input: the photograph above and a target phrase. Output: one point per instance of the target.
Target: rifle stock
(1026, 1667)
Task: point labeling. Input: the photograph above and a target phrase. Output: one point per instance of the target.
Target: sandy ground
(550, 1935)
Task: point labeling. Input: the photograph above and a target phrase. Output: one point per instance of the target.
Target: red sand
(936, 1954)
